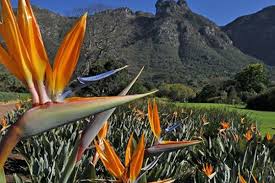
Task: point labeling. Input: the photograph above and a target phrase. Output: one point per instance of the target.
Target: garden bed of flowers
(231, 149)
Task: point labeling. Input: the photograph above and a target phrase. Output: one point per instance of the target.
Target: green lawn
(265, 120)
(12, 96)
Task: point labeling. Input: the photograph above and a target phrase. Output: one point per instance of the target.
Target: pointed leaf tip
(168, 146)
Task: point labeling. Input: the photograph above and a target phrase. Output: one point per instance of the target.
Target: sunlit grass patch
(265, 119)
(13, 96)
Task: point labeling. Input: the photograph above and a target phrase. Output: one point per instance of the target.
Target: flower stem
(8, 142)
(2, 175)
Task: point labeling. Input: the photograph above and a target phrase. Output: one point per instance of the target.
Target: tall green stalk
(2, 175)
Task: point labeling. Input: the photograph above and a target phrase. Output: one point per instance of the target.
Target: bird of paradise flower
(129, 172)
(163, 145)
(24, 55)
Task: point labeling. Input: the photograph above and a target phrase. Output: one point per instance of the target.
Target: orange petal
(67, 56)
(10, 64)
(137, 159)
(154, 119)
(150, 116)
(208, 169)
(254, 178)
(14, 42)
(157, 128)
(241, 179)
(129, 150)
(107, 164)
(103, 131)
(31, 35)
(113, 159)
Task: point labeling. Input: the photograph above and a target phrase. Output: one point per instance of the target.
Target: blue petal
(71, 91)
(173, 127)
(84, 80)
(65, 94)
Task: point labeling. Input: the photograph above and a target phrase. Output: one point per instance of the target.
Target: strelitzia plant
(161, 145)
(25, 57)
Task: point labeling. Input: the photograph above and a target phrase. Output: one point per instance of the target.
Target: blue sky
(219, 11)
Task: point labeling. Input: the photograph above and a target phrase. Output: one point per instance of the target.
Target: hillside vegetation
(175, 45)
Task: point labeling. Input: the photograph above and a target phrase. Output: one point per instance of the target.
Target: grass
(265, 119)
(12, 96)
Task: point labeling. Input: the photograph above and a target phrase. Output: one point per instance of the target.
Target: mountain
(175, 45)
(255, 34)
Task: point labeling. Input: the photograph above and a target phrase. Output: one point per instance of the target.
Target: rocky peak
(183, 4)
(254, 34)
(171, 7)
(270, 8)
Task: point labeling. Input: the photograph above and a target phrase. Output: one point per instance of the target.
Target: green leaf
(220, 144)
(17, 179)
(90, 173)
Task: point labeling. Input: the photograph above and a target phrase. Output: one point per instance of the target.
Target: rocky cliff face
(175, 45)
(255, 34)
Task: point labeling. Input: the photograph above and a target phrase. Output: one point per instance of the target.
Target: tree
(264, 101)
(176, 92)
(232, 96)
(208, 91)
(253, 78)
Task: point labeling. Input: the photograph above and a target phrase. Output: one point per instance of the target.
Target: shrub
(251, 81)
(208, 91)
(176, 92)
(8, 83)
(265, 101)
